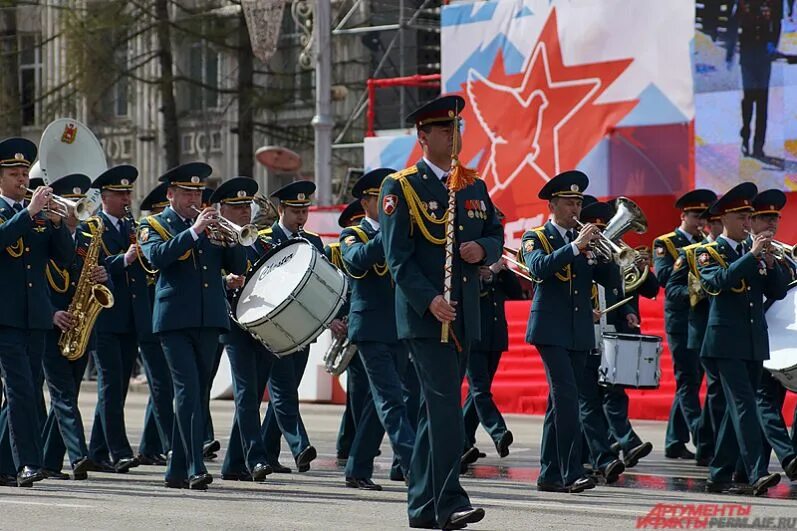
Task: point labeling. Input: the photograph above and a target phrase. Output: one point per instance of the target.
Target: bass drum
(290, 296)
(782, 324)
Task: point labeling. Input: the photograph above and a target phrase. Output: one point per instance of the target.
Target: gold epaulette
(671, 248)
(265, 232)
(403, 173)
(310, 233)
(565, 275)
(160, 229)
(380, 269)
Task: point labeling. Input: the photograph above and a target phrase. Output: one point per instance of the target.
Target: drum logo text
(270, 267)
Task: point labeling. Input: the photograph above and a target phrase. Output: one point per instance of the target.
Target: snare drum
(290, 296)
(630, 360)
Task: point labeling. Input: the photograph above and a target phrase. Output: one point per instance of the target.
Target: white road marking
(48, 504)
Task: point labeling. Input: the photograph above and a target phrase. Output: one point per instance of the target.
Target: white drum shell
(317, 294)
(782, 325)
(629, 360)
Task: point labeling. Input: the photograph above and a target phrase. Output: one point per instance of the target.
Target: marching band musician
(685, 411)
(159, 415)
(372, 327)
(771, 394)
(497, 285)
(29, 238)
(412, 218)
(250, 361)
(356, 395)
(683, 285)
(190, 310)
(594, 426)
(120, 327)
(736, 278)
(283, 416)
(63, 431)
(559, 258)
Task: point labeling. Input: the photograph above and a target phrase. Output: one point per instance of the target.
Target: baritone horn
(61, 206)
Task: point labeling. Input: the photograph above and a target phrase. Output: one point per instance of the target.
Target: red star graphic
(541, 121)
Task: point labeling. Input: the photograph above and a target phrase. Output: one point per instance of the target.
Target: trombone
(61, 206)
(508, 255)
(228, 233)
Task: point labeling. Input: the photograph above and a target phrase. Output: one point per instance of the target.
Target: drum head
(273, 280)
(635, 337)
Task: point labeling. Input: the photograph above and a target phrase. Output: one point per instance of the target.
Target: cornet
(60, 206)
(228, 233)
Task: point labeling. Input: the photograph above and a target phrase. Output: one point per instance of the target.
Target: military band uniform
(250, 364)
(736, 343)
(685, 412)
(372, 327)
(118, 328)
(27, 243)
(485, 355)
(412, 216)
(561, 327)
(283, 417)
(685, 272)
(63, 430)
(190, 312)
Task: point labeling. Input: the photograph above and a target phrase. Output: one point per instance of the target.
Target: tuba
(339, 354)
(89, 299)
(628, 216)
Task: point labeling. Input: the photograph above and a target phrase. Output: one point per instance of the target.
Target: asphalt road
(318, 499)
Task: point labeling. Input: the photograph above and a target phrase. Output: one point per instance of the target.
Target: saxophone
(89, 299)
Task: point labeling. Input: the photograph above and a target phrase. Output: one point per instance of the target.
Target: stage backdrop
(552, 85)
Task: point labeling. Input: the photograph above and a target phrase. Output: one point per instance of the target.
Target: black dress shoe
(764, 483)
(260, 472)
(632, 456)
(200, 481)
(740, 477)
(28, 476)
(240, 476)
(791, 469)
(279, 469)
(54, 474)
(362, 484)
(504, 443)
(551, 487)
(8, 480)
(101, 466)
(470, 456)
(396, 474)
(176, 483)
(745, 148)
(580, 485)
(211, 448)
(80, 467)
(613, 470)
(615, 448)
(123, 465)
(417, 524)
(306, 457)
(678, 452)
(152, 460)
(718, 487)
(464, 516)
(759, 154)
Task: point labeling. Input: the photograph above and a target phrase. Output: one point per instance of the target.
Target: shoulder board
(333, 245)
(265, 232)
(692, 246)
(87, 234)
(310, 233)
(403, 173)
(361, 233)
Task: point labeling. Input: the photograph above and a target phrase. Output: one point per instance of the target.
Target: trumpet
(783, 251)
(608, 251)
(226, 232)
(61, 206)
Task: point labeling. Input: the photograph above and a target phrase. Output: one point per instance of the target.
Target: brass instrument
(608, 251)
(89, 299)
(339, 354)
(61, 206)
(139, 255)
(635, 275)
(225, 232)
(783, 251)
(695, 289)
(509, 255)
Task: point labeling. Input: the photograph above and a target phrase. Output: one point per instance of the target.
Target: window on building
(30, 71)
(203, 68)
